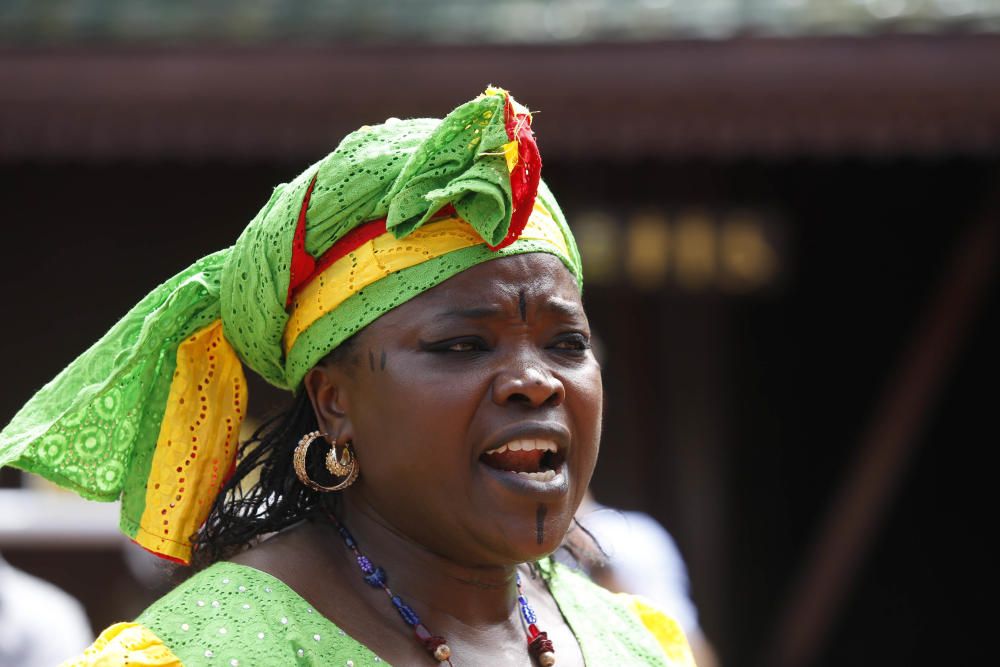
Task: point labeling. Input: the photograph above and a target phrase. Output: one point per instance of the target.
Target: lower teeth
(546, 476)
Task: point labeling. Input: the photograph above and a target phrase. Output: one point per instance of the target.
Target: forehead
(539, 277)
(533, 274)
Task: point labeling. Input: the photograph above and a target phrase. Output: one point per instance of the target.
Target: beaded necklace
(539, 645)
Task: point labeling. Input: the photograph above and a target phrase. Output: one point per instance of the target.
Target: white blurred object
(34, 518)
(40, 625)
(644, 560)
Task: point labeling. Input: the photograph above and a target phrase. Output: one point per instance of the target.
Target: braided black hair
(263, 495)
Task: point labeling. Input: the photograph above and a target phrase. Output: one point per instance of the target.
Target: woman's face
(475, 411)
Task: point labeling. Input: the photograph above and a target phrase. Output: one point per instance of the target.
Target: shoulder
(637, 625)
(126, 644)
(643, 558)
(231, 614)
(665, 629)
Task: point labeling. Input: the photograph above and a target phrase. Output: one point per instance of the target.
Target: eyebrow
(475, 313)
(561, 306)
(552, 304)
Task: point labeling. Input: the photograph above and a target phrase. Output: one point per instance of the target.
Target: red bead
(539, 645)
(533, 631)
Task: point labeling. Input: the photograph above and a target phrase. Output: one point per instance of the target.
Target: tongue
(517, 461)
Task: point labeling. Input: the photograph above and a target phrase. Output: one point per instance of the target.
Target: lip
(511, 481)
(553, 431)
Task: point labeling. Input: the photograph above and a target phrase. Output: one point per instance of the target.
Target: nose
(529, 383)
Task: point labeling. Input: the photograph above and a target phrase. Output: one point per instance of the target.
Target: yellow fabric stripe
(197, 443)
(669, 635)
(126, 644)
(510, 154)
(510, 148)
(385, 254)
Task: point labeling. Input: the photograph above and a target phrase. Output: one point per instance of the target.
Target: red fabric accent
(446, 211)
(303, 264)
(526, 174)
(509, 117)
(159, 555)
(347, 244)
(229, 473)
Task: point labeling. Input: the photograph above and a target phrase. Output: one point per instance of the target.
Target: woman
(419, 290)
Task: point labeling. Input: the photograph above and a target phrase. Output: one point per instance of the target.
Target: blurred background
(788, 211)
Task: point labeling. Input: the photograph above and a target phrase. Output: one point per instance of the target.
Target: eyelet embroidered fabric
(232, 615)
(81, 429)
(609, 631)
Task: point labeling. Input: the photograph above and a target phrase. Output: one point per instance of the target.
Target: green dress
(232, 615)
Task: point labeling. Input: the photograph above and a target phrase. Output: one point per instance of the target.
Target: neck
(444, 591)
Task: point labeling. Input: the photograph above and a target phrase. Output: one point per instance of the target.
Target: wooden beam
(910, 95)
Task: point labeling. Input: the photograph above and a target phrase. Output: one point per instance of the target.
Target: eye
(573, 342)
(463, 344)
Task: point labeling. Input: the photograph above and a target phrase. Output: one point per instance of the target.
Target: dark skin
(497, 353)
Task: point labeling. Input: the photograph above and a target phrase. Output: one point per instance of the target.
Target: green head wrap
(150, 413)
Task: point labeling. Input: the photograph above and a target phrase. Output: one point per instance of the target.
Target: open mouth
(536, 459)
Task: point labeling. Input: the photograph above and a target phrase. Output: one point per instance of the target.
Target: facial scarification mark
(381, 363)
(371, 360)
(522, 305)
(540, 523)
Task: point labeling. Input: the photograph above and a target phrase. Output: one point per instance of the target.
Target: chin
(538, 536)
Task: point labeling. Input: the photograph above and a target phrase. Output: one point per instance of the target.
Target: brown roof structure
(892, 94)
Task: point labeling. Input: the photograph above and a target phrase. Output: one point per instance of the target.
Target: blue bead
(529, 614)
(404, 610)
(377, 578)
(365, 564)
(348, 538)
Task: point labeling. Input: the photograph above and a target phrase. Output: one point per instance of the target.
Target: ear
(326, 386)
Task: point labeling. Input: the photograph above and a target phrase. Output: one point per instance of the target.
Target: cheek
(409, 418)
(585, 398)
(587, 411)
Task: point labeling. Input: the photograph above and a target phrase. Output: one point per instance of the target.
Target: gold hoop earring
(347, 466)
(342, 467)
